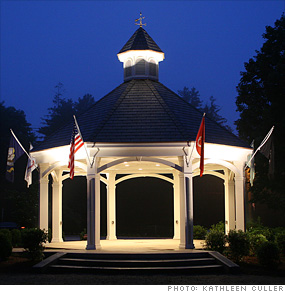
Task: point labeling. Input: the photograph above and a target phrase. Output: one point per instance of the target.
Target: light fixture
(157, 164)
(140, 169)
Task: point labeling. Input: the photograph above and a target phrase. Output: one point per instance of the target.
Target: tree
(63, 110)
(59, 114)
(17, 203)
(260, 101)
(212, 111)
(83, 103)
(191, 96)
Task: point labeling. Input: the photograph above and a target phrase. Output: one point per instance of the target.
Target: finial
(140, 19)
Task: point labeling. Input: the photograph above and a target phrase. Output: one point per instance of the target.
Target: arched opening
(144, 208)
(74, 205)
(209, 202)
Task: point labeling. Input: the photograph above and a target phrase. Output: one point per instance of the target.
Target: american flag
(75, 144)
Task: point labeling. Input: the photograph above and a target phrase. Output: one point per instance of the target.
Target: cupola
(140, 56)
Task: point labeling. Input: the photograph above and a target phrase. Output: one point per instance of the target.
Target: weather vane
(140, 19)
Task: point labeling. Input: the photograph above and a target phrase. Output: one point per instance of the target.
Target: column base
(93, 246)
(111, 238)
(189, 246)
(56, 240)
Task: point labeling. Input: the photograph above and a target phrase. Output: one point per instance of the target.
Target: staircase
(193, 262)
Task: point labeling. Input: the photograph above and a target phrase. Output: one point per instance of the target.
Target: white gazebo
(142, 129)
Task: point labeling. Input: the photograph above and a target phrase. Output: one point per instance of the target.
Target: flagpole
(82, 140)
(259, 147)
(20, 144)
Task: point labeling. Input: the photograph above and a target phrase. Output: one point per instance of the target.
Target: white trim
(220, 162)
(59, 163)
(131, 176)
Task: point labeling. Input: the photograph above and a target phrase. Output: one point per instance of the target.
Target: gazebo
(141, 129)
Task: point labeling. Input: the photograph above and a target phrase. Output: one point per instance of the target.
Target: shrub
(238, 244)
(280, 240)
(33, 240)
(199, 232)
(83, 234)
(215, 240)
(220, 226)
(255, 241)
(7, 233)
(16, 237)
(5, 246)
(268, 254)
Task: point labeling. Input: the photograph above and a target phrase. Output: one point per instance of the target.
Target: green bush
(5, 246)
(238, 244)
(265, 231)
(199, 232)
(215, 240)
(33, 239)
(220, 226)
(7, 233)
(16, 237)
(268, 254)
(280, 240)
(83, 234)
(255, 241)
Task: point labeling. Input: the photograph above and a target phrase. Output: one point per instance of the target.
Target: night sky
(76, 42)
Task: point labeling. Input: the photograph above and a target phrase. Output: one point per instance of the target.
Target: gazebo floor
(125, 246)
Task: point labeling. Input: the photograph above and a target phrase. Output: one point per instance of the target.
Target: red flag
(200, 141)
(75, 144)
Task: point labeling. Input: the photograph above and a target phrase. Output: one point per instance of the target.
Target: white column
(229, 202)
(43, 210)
(57, 207)
(111, 207)
(239, 195)
(176, 202)
(186, 206)
(93, 207)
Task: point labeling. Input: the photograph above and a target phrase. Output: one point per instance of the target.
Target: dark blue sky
(76, 42)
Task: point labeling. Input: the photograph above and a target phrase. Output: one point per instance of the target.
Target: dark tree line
(210, 107)
(17, 202)
(63, 110)
(260, 102)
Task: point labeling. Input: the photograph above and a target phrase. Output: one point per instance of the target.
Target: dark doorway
(144, 208)
(209, 202)
(74, 205)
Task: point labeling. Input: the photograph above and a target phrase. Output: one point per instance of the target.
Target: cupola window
(128, 69)
(140, 67)
(152, 68)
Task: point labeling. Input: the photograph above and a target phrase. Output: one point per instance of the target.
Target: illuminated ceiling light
(140, 169)
(127, 165)
(157, 164)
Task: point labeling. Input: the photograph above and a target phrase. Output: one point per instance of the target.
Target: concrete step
(201, 269)
(136, 262)
(194, 262)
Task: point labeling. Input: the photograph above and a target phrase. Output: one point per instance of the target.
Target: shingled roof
(141, 111)
(140, 40)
